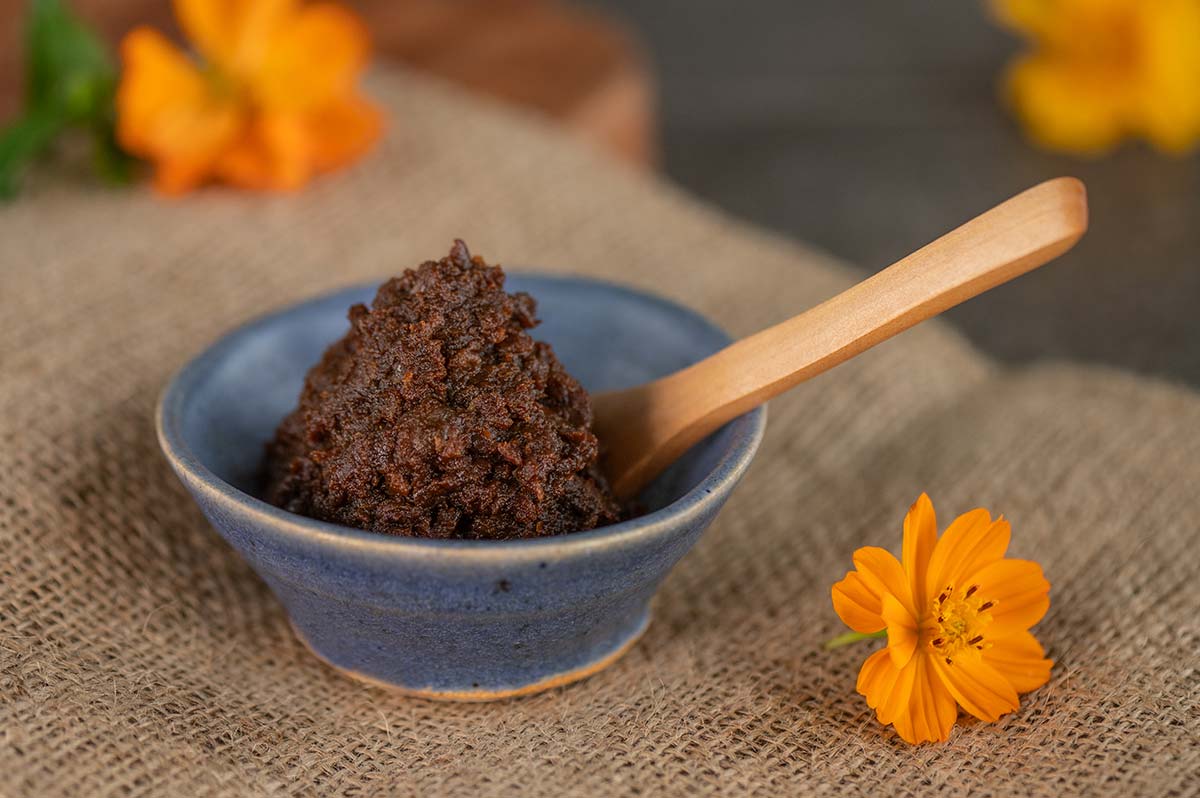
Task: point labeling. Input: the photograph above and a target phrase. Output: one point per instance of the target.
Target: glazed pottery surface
(458, 619)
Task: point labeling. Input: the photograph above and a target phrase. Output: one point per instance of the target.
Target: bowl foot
(476, 695)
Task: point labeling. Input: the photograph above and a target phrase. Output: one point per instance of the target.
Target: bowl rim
(280, 523)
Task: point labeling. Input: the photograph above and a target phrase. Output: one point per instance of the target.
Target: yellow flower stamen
(958, 622)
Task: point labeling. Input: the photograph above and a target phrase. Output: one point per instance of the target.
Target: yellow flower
(272, 101)
(1101, 70)
(957, 615)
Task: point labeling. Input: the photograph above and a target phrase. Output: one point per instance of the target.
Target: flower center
(222, 85)
(957, 623)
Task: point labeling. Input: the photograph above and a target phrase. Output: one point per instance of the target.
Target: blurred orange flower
(1101, 70)
(271, 101)
(956, 614)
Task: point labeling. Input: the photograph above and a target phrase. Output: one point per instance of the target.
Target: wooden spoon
(646, 428)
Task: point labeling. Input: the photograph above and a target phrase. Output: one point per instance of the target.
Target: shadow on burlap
(140, 656)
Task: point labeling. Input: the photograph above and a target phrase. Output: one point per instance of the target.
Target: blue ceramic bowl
(463, 620)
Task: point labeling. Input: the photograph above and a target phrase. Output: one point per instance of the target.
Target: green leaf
(71, 82)
(68, 66)
(23, 141)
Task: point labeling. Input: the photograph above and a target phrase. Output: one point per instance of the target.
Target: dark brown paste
(437, 415)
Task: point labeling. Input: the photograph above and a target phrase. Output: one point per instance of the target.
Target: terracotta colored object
(573, 65)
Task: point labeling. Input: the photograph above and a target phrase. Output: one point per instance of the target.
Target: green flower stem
(23, 141)
(847, 638)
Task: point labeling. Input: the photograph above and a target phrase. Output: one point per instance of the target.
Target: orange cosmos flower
(1101, 70)
(956, 614)
(271, 101)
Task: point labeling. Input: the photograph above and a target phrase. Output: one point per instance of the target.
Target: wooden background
(867, 128)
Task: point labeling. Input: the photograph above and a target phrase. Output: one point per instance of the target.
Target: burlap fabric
(140, 656)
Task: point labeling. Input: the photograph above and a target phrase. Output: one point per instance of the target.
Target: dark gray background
(870, 127)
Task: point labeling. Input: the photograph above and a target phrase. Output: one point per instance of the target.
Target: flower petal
(920, 537)
(882, 573)
(1169, 107)
(1019, 658)
(273, 154)
(912, 698)
(1035, 18)
(858, 599)
(1068, 105)
(971, 541)
(167, 113)
(931, 710)
(902, 630)
(857, 605)
(233, 34)
(1019, 592)
(896, 703)
(316, 57)
(978, 687)
(876, 678)
(342, 131)
(1070, 25)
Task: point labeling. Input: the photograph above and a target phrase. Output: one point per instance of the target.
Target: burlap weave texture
(140, 656)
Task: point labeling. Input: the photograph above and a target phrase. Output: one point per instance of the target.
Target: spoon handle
(648, 427)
